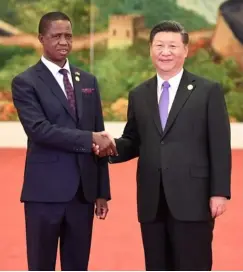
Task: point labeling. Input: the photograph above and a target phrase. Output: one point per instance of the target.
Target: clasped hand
(104, 144)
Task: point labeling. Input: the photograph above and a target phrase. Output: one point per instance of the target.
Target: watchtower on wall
(124, 29)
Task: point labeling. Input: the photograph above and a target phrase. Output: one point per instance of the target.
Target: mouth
(63, 51)
(165, 61)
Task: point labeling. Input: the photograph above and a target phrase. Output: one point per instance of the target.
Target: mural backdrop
(111, 41)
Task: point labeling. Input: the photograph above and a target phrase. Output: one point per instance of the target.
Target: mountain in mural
(206, 8)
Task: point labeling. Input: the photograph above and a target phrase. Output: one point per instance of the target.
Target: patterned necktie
(69, 89)
(164, 103)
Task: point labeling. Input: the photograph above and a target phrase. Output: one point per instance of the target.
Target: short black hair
(169, 26)
(50, 17)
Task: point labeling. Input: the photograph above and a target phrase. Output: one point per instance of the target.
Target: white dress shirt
(174, 84)
(54, 69)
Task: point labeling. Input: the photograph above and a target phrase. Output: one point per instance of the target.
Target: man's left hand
(217, 205)
(101, 208)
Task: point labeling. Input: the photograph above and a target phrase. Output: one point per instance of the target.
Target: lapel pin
(77, 78)
(190, 87)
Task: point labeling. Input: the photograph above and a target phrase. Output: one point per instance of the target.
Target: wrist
(94, 137)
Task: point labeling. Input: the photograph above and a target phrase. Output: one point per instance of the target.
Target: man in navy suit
(59, 108)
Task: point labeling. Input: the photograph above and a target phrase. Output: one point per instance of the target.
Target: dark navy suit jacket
(59, 153)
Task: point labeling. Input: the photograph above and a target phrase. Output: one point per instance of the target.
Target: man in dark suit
(60, 109)
(178, 127)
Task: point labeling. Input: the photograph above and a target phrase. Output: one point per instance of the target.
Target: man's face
(168, 53)
(57, 41)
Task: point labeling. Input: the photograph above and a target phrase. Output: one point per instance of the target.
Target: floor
(116, 241)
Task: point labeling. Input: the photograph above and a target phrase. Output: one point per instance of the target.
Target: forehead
(59, 26)
(168, 37)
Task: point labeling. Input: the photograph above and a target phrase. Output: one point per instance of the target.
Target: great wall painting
(122, 31)
(116, 47)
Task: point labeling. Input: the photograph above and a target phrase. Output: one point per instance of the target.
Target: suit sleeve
(39, 129)
(128, 144)
(103, 171)
(219, 144)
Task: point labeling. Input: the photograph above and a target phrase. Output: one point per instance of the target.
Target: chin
(61, 58)
(166, 69)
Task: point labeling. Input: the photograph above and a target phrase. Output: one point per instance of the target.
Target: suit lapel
(77, 84)
(48, 79)
(181, 97)
(152, 100)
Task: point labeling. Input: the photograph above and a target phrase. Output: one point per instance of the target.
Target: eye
(57, 36)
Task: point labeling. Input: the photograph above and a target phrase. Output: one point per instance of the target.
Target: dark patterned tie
(69, 90)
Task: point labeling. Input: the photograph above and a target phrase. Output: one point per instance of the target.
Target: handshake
(104, 144)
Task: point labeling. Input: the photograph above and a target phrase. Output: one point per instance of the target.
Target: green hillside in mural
(118, 69)
(153, 11)
(25, 14)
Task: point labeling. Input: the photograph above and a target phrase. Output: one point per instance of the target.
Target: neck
(168, 75)
(60, 63)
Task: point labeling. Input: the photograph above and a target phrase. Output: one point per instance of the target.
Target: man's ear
(40, 38)
(150, 50)
(186, 51)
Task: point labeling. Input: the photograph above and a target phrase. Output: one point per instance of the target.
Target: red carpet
(116, 241)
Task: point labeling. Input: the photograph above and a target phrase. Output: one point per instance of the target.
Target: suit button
(162, 142)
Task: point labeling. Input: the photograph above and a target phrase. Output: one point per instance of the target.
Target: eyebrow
(172, 42)
(60, 33)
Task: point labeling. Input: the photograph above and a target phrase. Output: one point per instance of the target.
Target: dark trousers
(70, 222)
(175, 245)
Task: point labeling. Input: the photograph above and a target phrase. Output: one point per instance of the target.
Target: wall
(13, 136)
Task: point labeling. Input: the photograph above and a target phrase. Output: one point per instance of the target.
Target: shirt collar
(174, 81)
(53, 67)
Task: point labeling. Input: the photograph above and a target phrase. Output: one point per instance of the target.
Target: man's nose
(63, 40)
(166, 51)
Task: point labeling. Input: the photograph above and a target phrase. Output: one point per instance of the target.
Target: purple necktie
(69, 89)
(164, 103)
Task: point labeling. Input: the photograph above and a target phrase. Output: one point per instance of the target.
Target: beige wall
(13, 136)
